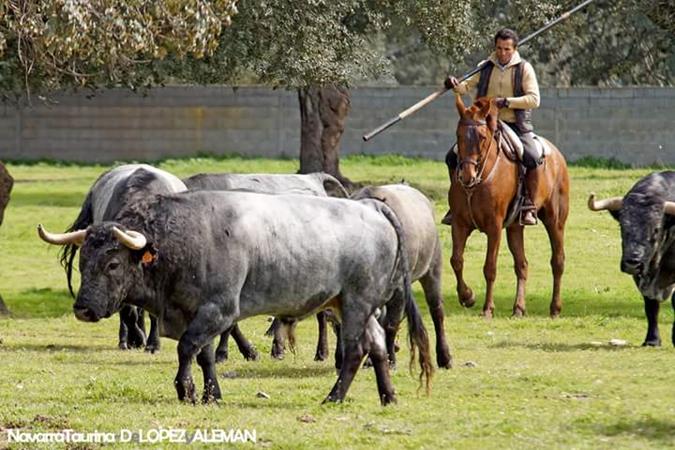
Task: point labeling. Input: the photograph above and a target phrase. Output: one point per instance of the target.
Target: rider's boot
(528, 211)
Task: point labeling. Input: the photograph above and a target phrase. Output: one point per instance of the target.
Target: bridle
(480, 164)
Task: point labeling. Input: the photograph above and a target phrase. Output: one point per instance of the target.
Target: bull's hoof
(652, 343)
(211, 393)
(388, 399)
(185, 389)
(467, 299)
(221, 356)
(250, 354)
(136, 339)
(277, 353)
(444, 361)
(123, 346)
(152, 347)
(321, 355)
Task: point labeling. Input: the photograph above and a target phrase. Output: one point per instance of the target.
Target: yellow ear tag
(148, 258)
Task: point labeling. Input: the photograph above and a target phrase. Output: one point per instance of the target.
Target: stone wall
(633, 125)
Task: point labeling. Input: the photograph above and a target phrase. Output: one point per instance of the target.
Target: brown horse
(483, 186)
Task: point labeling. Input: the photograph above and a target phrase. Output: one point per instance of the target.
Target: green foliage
(50, 44)
(527, 383)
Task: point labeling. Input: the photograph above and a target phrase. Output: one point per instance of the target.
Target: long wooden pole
(424, 102)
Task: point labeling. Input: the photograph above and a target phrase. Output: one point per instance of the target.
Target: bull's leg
(391, 321)
(652, 312)
(322, 343)
(222, 351)
(140, 319)
(207, 362)
(460, 234)
(153, 344)
(431, 284)
(209, 322)
(122, 342)
(354, 321)
(555, 227)
(514, 237)
(130, 335)
(278, 342)
(247, 349)
(338, 345)
(490, 267)
(374, 337)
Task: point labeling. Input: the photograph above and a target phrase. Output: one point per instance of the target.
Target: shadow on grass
(253, 372)
(561, 347)
(659, 431)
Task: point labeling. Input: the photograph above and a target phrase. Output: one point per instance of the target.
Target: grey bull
(318, 184)
(423, 248)
(113, 190)
(646, 215)
(200, 261)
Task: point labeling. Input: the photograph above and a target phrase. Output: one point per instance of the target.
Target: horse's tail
(417, 333)
(68, 251)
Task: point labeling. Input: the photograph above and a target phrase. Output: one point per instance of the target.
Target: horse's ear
(492, 114)
(461, 109)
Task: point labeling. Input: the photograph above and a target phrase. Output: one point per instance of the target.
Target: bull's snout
(85, 314)
(631, 266)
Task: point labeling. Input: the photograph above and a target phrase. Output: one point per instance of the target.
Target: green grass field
(526, 383)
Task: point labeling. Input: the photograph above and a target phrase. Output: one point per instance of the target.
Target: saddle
(513, 146)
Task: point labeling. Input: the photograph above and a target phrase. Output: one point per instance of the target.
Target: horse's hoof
(518, 313)
(468, 299)
(487, 314)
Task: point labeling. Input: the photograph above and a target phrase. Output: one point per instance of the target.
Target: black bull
(200, 261)
(646, 215)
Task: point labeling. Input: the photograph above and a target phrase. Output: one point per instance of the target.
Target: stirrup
(528, 216)
(447, 219)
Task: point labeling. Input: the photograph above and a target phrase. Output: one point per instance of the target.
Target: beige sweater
(501, 85)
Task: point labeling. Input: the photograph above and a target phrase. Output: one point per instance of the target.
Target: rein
(469, 189)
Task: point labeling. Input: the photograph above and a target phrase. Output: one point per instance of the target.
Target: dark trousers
(530, 154)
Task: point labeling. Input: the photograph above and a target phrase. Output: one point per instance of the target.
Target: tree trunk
(6, 183)
(323, 113)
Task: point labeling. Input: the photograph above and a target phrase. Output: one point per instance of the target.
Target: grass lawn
(525, 383)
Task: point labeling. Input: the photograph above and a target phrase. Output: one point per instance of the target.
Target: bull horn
(670, 208)
(73, 237)
(132, 239)
(612, 204)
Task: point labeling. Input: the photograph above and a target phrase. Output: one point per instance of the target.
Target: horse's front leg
(494, 235)
(460, 233)
(514, 236)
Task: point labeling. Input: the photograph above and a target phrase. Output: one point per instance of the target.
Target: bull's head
(642, 219)
(110, 265)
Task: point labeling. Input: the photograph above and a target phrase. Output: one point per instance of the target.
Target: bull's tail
(68, 251)
(417, 333)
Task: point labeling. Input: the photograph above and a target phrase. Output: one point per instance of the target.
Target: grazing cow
(114, 189)
(200, 261)
(423, 247)
(646, 215)
(318, 184)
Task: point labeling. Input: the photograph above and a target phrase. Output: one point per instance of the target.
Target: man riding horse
(512, 81)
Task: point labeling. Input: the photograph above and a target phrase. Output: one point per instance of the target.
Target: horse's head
(475, 131)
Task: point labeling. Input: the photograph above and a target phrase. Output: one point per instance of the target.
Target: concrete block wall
(633, 125)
